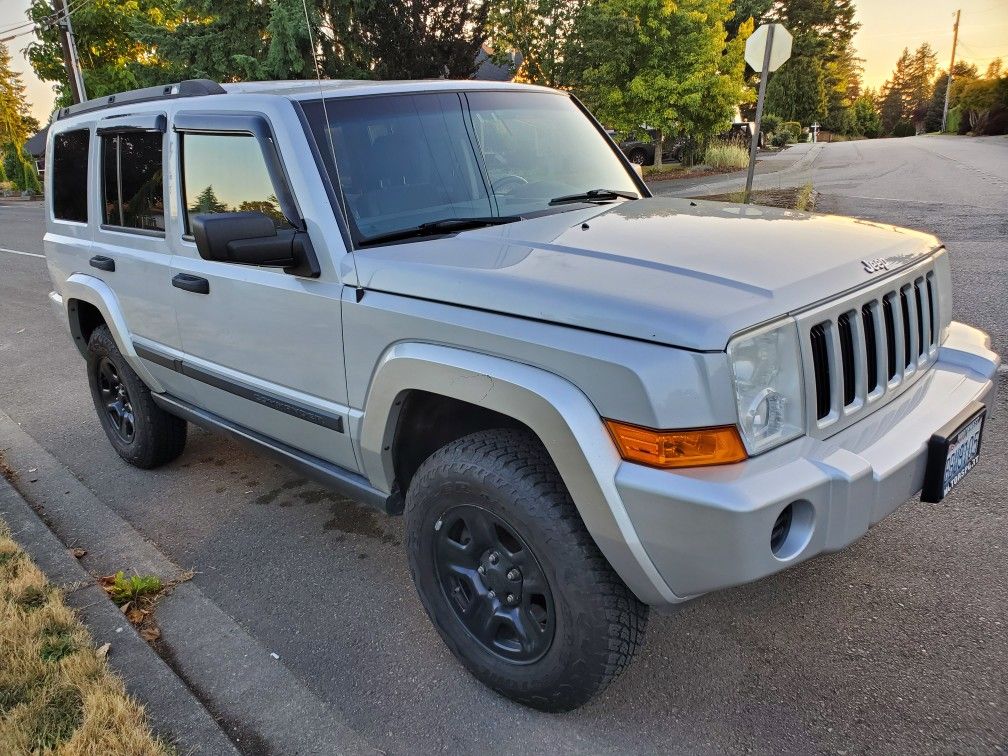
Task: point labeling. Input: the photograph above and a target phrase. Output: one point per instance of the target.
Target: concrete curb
(175, 714)
(252, 695)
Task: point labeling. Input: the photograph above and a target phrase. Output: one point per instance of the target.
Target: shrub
(904, 129)
(726, 155)
(793, 128)
(20, 169)
(781, 139)
(954, 120)
(770, 123)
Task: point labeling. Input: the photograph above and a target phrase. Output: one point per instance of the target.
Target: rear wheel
(142, 433)
(511, 579)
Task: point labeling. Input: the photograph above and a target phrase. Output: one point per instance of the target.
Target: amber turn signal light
(696, 447)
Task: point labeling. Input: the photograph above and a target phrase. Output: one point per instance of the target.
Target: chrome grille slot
(871, 347)
(864, 349)
(820, 365)
(847, 356)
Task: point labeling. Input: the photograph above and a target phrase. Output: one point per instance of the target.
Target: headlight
(766, 367)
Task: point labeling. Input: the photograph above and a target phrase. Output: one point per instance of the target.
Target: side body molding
(85, 288)
(558, 412)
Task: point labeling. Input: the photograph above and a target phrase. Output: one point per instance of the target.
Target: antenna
(332, 146)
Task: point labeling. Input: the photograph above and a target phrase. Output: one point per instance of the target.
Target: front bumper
(710, 528)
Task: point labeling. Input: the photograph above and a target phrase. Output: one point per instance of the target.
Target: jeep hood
(678, 272)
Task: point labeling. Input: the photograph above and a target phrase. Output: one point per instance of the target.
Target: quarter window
(226, 173)
(132, 182)
(69, 175)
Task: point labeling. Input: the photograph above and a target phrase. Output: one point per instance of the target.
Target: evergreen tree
(962, 71)
(797, 92)
(207, 202)
(13, 105)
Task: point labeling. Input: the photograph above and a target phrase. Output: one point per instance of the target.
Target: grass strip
(57, 693)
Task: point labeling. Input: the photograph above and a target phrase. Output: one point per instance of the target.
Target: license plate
(952, 452)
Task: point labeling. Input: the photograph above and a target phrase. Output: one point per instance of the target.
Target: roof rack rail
(187, 88)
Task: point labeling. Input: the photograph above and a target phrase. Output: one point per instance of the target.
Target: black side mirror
(251, 238)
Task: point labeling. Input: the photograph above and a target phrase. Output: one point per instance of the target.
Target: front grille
(868, 348)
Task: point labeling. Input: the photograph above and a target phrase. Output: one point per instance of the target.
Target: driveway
(897, 643)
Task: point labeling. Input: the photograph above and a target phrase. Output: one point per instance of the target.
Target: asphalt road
(896, 644)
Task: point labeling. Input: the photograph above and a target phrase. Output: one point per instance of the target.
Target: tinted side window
(69, 171)
(132, 182)
(224, 173)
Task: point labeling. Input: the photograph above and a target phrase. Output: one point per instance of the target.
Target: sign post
(766, 50)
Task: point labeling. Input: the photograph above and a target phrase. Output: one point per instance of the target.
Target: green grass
(806, 198)
(122, 589)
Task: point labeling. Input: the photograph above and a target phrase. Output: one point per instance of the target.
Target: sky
(887, 26)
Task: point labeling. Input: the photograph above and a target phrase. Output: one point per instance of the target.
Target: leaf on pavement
(102, 651)
(77, 552)
(150, 634)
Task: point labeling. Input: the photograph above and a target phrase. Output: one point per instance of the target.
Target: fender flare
(554, 409)
(94, 291)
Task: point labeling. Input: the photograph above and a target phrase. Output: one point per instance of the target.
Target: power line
(44, 23)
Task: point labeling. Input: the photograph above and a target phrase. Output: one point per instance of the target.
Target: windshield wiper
(443, 226)
(595, 195)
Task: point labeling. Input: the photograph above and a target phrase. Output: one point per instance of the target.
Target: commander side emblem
(875, 265)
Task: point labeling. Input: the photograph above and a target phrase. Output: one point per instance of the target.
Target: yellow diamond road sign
(755, 48)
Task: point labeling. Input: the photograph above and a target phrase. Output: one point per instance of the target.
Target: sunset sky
(887, 26)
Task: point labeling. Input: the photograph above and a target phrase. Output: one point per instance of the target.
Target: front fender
(84, 288)
(554, 409)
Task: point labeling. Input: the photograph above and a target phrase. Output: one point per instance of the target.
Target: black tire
(142, 433)
(638, 156)
(506, 476)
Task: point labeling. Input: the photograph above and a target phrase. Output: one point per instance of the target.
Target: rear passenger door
(261, 347)
(130, 251)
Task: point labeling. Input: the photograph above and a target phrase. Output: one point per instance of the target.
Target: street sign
(755, 48)
(766, 49)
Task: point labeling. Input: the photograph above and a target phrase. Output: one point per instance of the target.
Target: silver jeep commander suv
(458, 301)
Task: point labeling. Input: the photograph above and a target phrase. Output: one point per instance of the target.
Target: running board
(329, 475)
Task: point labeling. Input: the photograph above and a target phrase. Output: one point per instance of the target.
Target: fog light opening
(781, 528)
(792, 530)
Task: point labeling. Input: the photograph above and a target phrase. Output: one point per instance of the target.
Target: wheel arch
(552, 408)
(89, 303)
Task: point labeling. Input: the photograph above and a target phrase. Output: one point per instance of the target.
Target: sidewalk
(206, 664)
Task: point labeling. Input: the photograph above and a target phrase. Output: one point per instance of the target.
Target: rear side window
(226, 173)
(132, 183)
(69, 172)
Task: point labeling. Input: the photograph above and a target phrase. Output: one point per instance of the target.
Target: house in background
(35, 147)
(487, 70)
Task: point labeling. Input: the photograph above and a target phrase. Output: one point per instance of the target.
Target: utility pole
(69, 45)
(948, 86)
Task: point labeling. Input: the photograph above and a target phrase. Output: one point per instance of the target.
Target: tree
(661, 64)
(907, 95)
(797, 91)
(13, 104)
(207, 202)
(222, 40)
(867, 121)
(541, 31)
(402, 39)
(114, 57)
(962, 71)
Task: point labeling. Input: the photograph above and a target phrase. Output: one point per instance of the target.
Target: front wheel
(511, 579)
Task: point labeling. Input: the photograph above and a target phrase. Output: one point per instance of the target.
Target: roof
(308, 88)
(295, 90)
(488, 70)
(35, 146)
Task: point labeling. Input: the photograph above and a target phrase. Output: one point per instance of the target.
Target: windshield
(408, 160)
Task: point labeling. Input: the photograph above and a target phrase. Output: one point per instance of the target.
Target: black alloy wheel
(116, 398)
(494, 584)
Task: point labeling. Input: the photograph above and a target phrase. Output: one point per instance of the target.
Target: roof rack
(187, 88)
